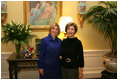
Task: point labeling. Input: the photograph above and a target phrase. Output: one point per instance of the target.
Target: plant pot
(110, 63)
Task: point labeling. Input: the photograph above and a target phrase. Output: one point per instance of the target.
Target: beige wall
(15, 12)
(90, 38)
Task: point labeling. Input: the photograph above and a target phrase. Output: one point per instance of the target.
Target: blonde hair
(54, 24)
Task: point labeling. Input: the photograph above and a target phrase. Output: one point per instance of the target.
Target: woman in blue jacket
(49, 62)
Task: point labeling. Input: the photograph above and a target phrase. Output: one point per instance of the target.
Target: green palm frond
(111, 12)
(109, 4)
(104, 20)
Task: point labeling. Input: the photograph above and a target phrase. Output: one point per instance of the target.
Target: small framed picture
(82, 7)
(3, 6)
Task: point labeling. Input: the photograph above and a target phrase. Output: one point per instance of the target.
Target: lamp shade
(63, 21)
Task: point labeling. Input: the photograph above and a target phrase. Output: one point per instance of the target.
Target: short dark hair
(71, 24)
(54, 24)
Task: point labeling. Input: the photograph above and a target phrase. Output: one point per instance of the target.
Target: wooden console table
(16, 63)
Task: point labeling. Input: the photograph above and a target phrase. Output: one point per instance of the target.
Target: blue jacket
(49, 51)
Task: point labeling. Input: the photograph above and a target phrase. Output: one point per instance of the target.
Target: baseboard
(92, 72)
(4, 75)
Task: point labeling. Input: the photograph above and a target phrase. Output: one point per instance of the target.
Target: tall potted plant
(103, 18)
(19, 34)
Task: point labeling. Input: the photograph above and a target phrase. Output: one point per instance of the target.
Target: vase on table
(18, 49)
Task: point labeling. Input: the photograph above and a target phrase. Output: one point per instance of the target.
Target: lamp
(63, 21)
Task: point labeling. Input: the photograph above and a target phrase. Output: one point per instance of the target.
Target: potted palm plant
(17, 33)
(103, 18)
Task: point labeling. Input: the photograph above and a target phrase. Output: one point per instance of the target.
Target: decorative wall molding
(93, 65)
(6, 52)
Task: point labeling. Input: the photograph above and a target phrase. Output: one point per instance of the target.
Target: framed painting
(41, 14)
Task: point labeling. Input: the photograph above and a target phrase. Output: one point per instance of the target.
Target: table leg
(10, 73)
(16, 74)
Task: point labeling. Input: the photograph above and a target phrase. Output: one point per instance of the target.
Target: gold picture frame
(27, 9)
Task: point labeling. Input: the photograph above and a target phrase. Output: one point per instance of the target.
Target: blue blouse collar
(51, 38)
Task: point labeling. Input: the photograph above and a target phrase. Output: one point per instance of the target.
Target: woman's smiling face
(55, 31)
(71, 31)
